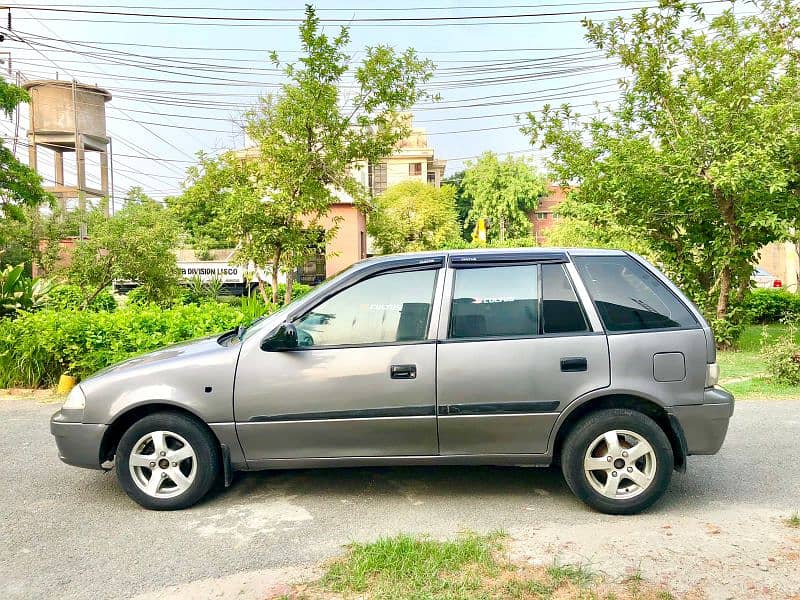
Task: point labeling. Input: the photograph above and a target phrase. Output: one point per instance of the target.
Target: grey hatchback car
(590, 359)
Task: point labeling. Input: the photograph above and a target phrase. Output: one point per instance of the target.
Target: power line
(346, 9)
(372, 20)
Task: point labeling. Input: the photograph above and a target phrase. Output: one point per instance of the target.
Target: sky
(179, 85)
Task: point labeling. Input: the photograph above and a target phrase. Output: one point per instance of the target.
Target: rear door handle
(403, 371)
(573, 364)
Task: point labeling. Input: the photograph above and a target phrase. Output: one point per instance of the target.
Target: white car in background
(763, 279)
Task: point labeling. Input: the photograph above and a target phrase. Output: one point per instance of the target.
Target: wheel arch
(128, 417)
(631, 401)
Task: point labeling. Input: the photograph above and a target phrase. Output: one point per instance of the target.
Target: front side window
(629, 297)
(495, 301)
(393, 307)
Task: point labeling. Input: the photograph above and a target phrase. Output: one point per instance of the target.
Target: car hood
(197, 346)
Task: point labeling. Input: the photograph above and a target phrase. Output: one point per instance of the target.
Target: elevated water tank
(62, 109)
(69, 117)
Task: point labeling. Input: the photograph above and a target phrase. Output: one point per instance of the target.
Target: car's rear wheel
(167, 461)
(617, 461)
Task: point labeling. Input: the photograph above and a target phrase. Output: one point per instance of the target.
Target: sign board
(210, 270)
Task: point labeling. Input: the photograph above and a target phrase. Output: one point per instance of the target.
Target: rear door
(515, 347)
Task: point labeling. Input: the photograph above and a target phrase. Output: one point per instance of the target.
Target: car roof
(490, 251)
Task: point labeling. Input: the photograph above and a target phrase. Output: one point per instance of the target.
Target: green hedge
(66, 297)
(37, 347)
(772, 306)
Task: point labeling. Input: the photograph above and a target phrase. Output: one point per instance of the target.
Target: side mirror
(284, 338)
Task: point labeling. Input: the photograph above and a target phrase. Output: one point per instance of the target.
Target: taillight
(712, 374)
(777, 283)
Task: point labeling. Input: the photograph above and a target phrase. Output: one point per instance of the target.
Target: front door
(361, 383)
(516, 349)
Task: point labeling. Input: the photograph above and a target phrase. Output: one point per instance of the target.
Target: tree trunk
(797, 275)
(90, 299)
(724, 292)
(262, 289)
(502, 229)
(274, 284)
(276, 263)
(287, 296)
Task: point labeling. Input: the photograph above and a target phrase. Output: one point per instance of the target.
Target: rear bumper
(78, 443)
(704, 426)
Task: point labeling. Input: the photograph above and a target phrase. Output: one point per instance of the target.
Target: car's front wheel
(618, 461)
(167, 461)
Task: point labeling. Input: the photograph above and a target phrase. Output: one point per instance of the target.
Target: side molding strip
(498, 408)
(367, 413)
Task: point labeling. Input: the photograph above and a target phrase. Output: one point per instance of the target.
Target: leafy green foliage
(699, 157)
(728, 329)
(593, 231)
(202, 201)
(463, 203)
(69, 297)
(782, 357)
(20, 186)
(413, 216)
(308, 138)
(20, 292)
(199, 291)
(135, 244)
(37, 347)
(772, 306)
(33, 237)
(503, 191)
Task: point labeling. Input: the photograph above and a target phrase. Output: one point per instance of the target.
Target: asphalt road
(71, 533)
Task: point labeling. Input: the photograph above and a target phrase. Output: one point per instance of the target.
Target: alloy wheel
(620, 464)
(163, 464)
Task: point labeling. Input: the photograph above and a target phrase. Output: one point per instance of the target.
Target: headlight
(712, 375)
(76, 399)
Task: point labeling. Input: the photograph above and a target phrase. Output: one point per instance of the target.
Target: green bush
(66, 297)
(772, 306)
(782, 357)
(37, 347)
(20, 292)
(142, 296)
(298, 291)
(727, 331)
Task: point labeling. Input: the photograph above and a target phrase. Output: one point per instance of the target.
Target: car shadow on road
(447, 483)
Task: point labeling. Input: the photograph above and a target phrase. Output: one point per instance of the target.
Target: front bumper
(705, 425)
(78, 443)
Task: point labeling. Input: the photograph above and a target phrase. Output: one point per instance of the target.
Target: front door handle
(573, 364)
(403, 371)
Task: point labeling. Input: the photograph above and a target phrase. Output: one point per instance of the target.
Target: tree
(413, 216)
(20, 186)
(504, 192)
(309, 136)
(463, 203)
(701, 155)
(34, 236)
(135, 244)
(205, 190)
(594, 230)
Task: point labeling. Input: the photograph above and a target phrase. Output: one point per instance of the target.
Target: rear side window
(561, 311)
(630, 298)
(495, 302)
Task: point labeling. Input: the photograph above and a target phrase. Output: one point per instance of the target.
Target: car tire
(167, 461)
(621, 478)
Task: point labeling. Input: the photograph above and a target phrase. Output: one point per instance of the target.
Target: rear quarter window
(629, 297)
